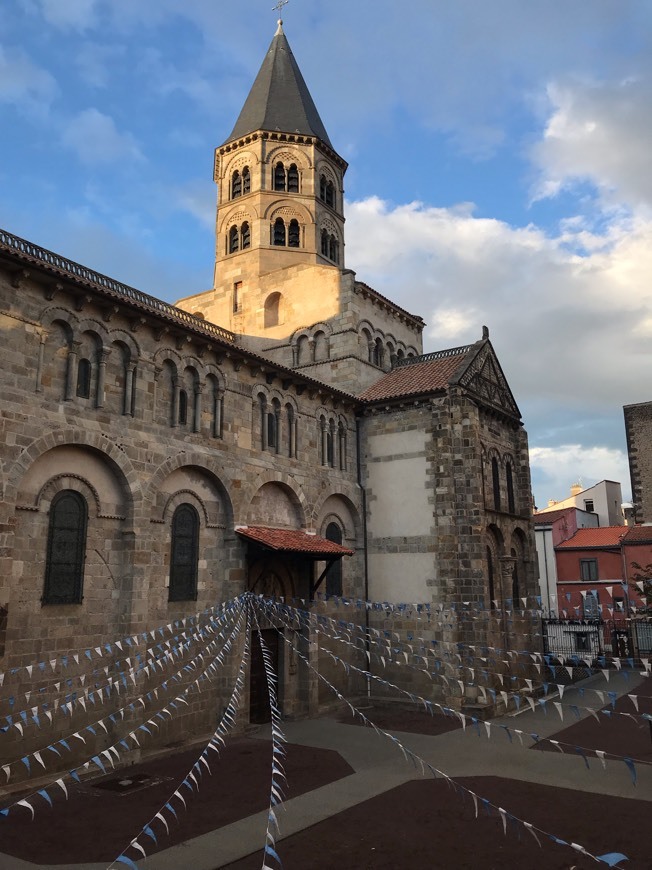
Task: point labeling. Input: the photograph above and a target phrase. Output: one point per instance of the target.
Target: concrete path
(380, 766)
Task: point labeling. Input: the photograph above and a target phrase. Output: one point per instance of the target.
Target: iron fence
(587, 642)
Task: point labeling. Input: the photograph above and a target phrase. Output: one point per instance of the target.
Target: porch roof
(293, 541)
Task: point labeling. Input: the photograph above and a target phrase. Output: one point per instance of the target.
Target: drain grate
(130, 782)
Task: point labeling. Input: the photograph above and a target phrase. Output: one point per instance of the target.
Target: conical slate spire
(279, 98)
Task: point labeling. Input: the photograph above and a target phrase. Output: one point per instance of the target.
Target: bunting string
(463, 718)
(510, 605)
(73, 701)
(119, 715)
(108, 648)
(279, 779)
(611, 859)
(192, 780)
(417, 611)
(107, 756)
(421, 662)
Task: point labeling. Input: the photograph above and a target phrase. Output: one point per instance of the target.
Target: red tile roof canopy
(594, 538)
(293, 541)
(422, 375)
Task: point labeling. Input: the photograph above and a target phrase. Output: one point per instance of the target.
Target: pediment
(485, 379)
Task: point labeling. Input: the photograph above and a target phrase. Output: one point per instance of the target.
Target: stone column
(196, 417)
(218, 402)
(277, 417)
(101, 375)
(129, 390)
(39, 365)
(507, 564)
(71, 373)
(157, 375)
(506, 575)
(263, 422)
(324, 443)
(176, 389)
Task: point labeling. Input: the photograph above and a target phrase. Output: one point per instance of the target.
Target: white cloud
(23, 84)
(555, 469)
(599, 133)
(95, 139)
(571, 329)
(198, 199)
(71, 14)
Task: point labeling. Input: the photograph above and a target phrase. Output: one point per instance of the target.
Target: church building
(282, 433)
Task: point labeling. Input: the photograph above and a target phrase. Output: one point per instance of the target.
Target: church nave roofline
(63, 275)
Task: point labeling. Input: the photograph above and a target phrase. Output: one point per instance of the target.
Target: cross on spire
(279, 6)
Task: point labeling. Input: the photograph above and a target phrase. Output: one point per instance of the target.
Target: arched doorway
(269, 577)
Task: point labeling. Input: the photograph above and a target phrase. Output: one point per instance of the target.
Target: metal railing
(585, 641)
(429, 357)
(41, 256)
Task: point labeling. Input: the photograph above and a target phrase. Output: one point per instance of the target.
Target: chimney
(576, 489)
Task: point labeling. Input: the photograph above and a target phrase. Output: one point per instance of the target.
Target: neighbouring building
(281, 433)
(604, 499)
(551, 527)
(596, 571)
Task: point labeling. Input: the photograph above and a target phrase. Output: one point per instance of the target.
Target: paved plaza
(366, 770)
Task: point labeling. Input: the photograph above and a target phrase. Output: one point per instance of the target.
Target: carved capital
(18, 277)
(109, 312)
(51, 289)
(81, 301)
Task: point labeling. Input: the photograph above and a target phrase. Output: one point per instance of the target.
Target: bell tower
(279, 235)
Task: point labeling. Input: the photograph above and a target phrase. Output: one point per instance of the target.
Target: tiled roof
(639, 535)
(545, 518)
(423, 375)
(279, 98)
(293, 541)
(591, 539)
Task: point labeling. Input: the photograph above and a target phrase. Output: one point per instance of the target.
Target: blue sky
(499, 171)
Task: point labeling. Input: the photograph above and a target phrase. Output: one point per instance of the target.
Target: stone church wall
(126, 452)
(432, 518)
